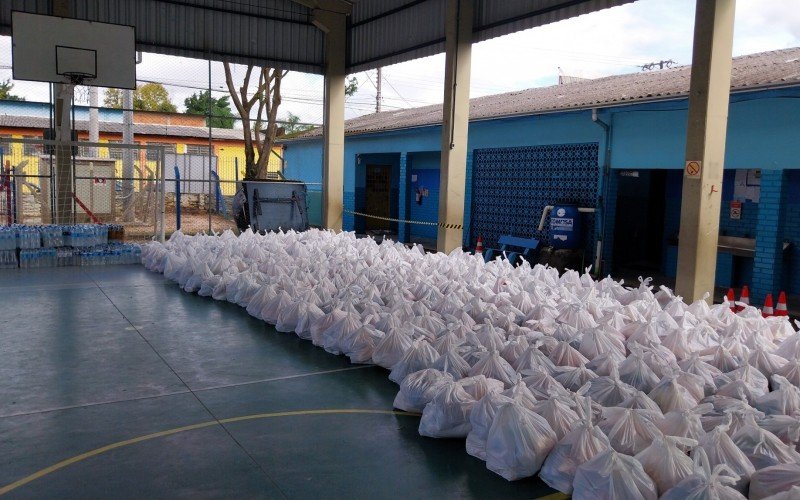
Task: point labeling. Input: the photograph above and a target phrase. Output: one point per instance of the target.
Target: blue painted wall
(42, 110)
(425, 166)
(762, 134)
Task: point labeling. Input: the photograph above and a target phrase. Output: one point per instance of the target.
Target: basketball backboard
(63, 50)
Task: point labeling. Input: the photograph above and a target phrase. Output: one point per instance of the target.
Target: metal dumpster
(277, 205)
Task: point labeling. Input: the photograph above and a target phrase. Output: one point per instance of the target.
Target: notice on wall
(736, 209)
(747, 185)
(693, 169)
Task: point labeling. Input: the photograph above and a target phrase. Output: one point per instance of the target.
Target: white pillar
(709, 93)
(94, 118)
(63, 176)
(455, 123)
(128, 212)
(335, 28)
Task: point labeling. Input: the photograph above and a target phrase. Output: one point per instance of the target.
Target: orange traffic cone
(767, 310)
(731, 297)
(744, 299)
(479, 245)
(780, 309)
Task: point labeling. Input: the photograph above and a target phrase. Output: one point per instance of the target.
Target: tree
(351, 86)
(220, 109)
(292, 125)
(146, 97)
(258, 109)
(5, 91)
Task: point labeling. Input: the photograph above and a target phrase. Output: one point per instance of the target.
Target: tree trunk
(266, 98)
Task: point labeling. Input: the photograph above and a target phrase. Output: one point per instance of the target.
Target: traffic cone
(479, 245)
(731, 297)
(744, 299)
(767, 310)
(780, 309)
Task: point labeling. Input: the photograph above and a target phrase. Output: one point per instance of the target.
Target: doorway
(639, 228)
(377, 197)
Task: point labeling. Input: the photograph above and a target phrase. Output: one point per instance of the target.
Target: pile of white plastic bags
(603, 390)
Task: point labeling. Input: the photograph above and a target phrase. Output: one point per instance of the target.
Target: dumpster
(274, 205)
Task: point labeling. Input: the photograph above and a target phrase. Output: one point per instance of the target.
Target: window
(31, 149)
(5, 144)
(115, 153)
(196, 149)
(152, 154)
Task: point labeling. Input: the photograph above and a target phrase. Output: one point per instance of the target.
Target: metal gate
(511, 187)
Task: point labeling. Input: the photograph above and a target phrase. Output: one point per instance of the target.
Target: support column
(768, 260)
(705, 147)
(335, 28)
(64, 180)
(455, 122)
(403, 195)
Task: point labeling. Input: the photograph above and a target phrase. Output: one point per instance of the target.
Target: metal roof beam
(337, 6)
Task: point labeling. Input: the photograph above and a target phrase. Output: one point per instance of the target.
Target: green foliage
(5, 91)
(292, 125)
(220, 109)
(146, 97)
(351, 86)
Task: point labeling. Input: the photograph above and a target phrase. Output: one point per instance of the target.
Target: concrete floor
(115, 383)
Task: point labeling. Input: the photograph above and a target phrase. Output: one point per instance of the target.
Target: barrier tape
(419, 222)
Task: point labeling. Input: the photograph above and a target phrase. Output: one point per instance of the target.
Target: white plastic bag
(451, 362)
(478, 386)
(705, 483)
(492, 365)
(420, 356)
(640, 401)
(635, 372)
(391, 348)
(671, 395)
(360, 344)
(419, 388)
(665, 462)
(518, 442)
(559, 414)
(762, 447)
(581, 444)
(721, 450)
(573, 378)
(613, 476)
(629, 431)
(785, 427)
(447, 414)
(773, 480)
(481, 418)
(609, 390)
(784, 400)
(684, 423)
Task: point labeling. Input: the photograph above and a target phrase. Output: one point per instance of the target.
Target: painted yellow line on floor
(554, 496)
(147, 437)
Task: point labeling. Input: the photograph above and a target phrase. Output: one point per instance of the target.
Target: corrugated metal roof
(384, 32)
(280, 32)
(37, 122)
(764, 70)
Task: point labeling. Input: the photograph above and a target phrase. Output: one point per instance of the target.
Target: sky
(612, 41)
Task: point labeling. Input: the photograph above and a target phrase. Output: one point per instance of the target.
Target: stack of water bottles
(8, 247)
(26, 246)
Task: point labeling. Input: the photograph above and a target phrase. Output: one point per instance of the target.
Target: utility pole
(94, 119)
(127, 156)
(378, 96)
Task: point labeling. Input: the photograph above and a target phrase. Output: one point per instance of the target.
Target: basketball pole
(63, 135)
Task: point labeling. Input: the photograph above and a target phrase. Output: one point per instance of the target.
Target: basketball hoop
(76, 78)
(72, 51)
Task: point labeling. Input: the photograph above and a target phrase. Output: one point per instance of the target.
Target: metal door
(376, 194)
